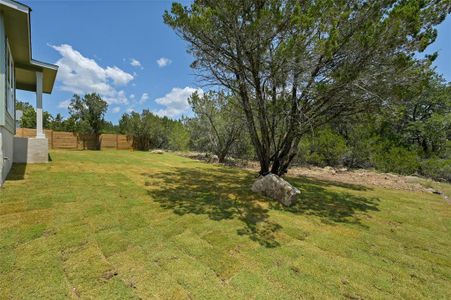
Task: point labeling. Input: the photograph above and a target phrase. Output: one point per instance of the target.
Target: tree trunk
(221, 157)
(261, 151)
(97, 137)
(282, 161)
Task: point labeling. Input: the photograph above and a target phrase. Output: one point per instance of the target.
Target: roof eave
(16, 5)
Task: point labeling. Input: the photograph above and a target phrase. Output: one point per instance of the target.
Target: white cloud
(64, 104)
(132, 96)
(116, 109)
(121, 98)
(136, 63)
(163, 62)
(144, 98)
(130, 110)
(118, 76)
(80, 75)
(176, 101)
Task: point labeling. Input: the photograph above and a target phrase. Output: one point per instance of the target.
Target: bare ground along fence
(75, 141)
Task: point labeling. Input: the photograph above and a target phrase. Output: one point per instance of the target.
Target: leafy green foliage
(179, 137)
(109, 127)
(395, 159)
(217, 125)
(436, 168)
(76, 122)
(420, 118)
(409, 135)
(326, 148)
(88, 112)
(150, 131)
(296, 65)
(28, 119)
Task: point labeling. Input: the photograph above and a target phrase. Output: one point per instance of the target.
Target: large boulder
(276, 188)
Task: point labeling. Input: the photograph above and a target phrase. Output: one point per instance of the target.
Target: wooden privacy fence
(75, 141)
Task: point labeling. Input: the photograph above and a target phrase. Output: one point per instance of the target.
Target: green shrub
(360, 145)
(327, 148)
(436, 168)
(395, 159)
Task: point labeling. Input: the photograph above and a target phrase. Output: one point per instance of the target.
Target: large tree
(217, 124)
(296, 65)
(88, 113)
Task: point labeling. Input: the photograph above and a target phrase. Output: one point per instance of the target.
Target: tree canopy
(151, 131)
(28, 119)
(88, 112)
(295, 65)
(218, 123)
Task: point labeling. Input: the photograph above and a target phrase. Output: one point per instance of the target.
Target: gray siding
(2, 73)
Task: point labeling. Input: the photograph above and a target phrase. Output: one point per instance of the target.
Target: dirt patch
(343, 175)
(363, 177)
(370, 178)
(109, 274)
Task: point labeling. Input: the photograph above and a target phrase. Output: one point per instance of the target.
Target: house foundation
(31, 150)
(6, 153)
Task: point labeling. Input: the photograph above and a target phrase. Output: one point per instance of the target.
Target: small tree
(218, 123)
(57, 123)
(178, 139)
(88, 112)
(139, 127)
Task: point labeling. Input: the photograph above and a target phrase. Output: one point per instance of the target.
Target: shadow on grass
(332, 207)
(224, 194)
(17, 172)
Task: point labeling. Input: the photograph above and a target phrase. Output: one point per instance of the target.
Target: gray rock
(434, 191)
(157, 151)
(213, 159)
(276, 188)
(330, 170)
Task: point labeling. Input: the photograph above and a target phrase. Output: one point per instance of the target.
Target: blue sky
(124, 51)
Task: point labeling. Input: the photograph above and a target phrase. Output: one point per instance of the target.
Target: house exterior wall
(5, 135)
(7, 126)
(2, 73)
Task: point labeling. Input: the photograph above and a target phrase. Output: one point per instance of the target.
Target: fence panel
(108, 141)
(87, 142)
(64, 140)
(75, 141)
(124, 142)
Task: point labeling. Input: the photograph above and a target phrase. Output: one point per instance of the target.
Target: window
(10, 82)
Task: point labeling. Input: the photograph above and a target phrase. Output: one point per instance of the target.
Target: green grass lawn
(118, 224)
